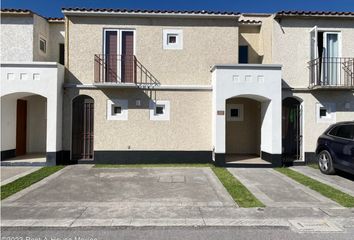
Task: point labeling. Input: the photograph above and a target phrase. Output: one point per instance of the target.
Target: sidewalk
(341, 183)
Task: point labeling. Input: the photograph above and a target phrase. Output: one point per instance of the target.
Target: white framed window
(172, 39)
(117, 109)
(42, 44)
(159, 110)
(234, 112)
(326, 112)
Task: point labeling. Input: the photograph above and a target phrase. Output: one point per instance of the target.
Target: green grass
(238, 192)
(336, 195)
(26, 181)
(152, 165)
(236, 189)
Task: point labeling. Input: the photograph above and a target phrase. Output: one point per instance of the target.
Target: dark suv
(335, 148)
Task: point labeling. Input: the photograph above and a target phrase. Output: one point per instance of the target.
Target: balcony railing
(122, 69)
(332, 72)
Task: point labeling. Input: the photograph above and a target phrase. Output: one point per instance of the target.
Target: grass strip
(26, 181)
(152, 165)
(241, 195)
(330, 192)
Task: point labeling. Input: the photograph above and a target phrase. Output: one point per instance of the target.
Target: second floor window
(43, 45)
(243, 54)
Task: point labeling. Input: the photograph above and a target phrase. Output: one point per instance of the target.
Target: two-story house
(200, 86)
(158, 86)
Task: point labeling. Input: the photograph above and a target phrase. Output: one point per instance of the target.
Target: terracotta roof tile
(314, 13)
(151, 11)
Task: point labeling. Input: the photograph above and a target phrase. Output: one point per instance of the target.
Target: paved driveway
(344, 184)
(116, 193)
(10, 174)
(277, 190)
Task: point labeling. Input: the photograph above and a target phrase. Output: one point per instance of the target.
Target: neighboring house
(31, 84)
(196, 86)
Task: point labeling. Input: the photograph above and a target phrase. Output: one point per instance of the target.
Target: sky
(52, 8)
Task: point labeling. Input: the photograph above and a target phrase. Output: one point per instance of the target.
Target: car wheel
(325, 162)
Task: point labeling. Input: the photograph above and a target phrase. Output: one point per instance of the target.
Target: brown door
(21, 127)
(82, 128)
(127, 57)
(111, 56)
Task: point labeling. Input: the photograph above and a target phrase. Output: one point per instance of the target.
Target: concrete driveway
(10, 174)
(119, 193)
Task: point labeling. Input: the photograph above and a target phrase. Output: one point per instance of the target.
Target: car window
(343, 131)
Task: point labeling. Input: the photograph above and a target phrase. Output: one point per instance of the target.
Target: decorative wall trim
(7, 154)
(132, 85)
(275, 159)
(135, 157)
(59, 158)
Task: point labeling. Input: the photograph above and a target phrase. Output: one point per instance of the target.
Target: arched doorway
(24, 128)
(292, 129)
(243, 129)
(82, 128)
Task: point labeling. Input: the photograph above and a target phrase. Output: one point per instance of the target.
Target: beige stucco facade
(291, 45)
(205, 43)
(189, 127)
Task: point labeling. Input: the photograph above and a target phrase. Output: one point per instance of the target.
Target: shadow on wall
(253, 56)
(137, 98)
(343, 100)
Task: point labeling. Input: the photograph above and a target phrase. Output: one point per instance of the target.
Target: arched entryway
(292, 129)
(243, 126)
(82, 128)
(24, 128)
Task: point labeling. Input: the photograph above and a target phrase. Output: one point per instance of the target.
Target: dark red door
(111, 56)
(127, 64)
(82, 128)
(21, 127)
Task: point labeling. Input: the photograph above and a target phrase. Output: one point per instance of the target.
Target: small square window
(323, 112)
(159, 110)
(234, 112)
(171, 38)
(116, 110)
(43, 45)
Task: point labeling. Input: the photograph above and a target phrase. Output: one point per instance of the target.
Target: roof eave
(121, 14)
(311, 16)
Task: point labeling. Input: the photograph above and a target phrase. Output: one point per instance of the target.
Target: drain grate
(314, 225)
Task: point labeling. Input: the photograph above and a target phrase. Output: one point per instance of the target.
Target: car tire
(325, 162)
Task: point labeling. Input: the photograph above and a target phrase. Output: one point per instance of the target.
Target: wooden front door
(21, 127)
(82, 128)
(127, 64)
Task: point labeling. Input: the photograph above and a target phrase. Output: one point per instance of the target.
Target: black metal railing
(122, 69)
(331, 72)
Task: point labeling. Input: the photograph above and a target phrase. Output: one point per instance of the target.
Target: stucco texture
(16, 39)
(189, 127)
(291, 45)
(313, 129)
(206, 42)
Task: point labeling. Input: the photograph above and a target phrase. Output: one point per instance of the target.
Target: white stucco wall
(8, 123)
(16, 39)
(258, 82)
(40, 29)
(42, 78)
(36, 124)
